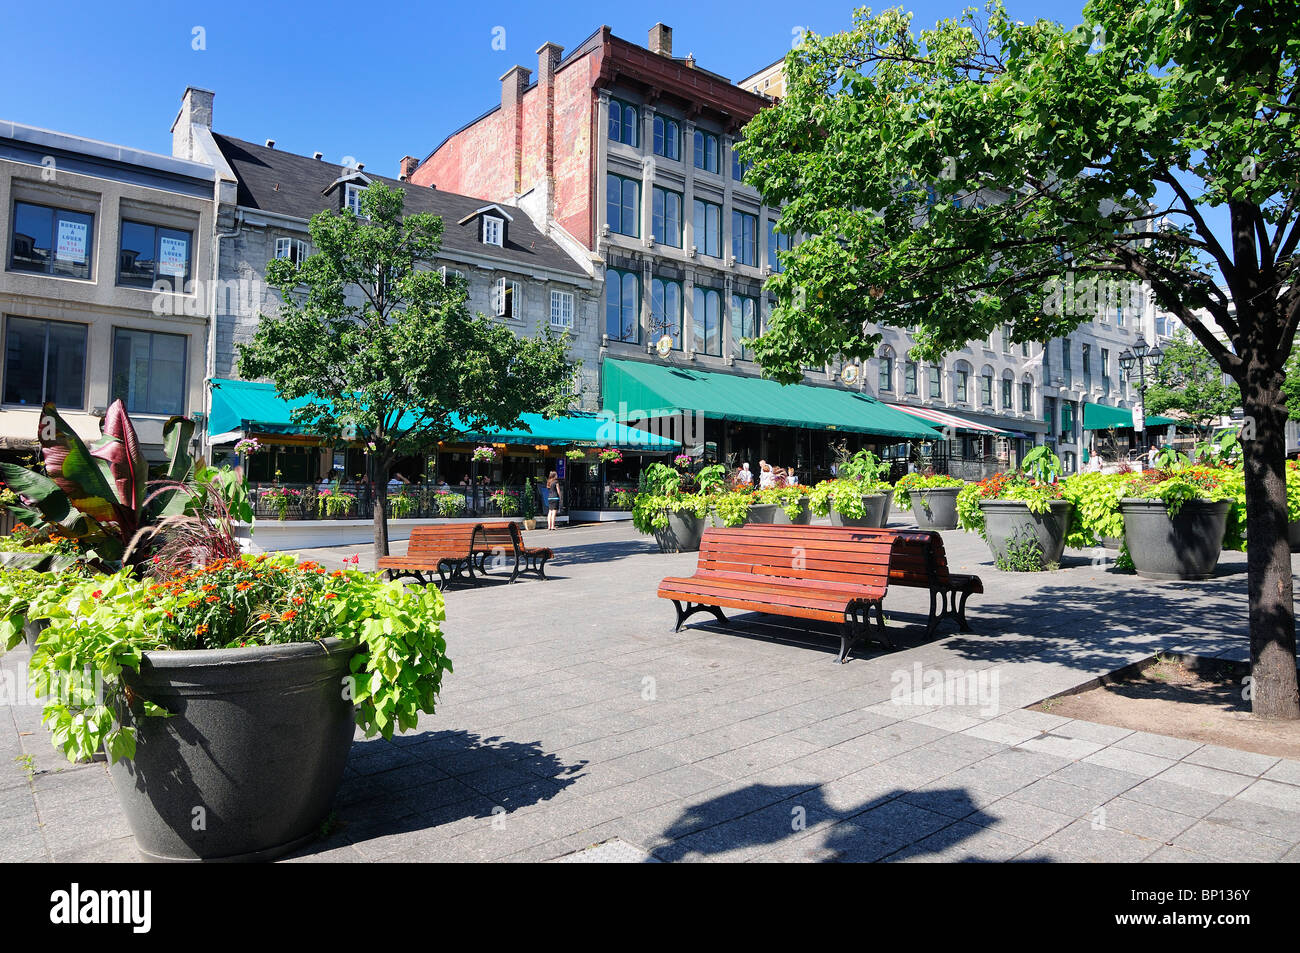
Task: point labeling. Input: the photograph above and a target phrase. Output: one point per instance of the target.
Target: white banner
(172, 255)
(1139, 415)
(73, 239)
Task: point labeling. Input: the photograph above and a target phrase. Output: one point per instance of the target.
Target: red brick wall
(478, 160)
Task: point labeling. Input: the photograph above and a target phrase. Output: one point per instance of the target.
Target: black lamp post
(1134, 364)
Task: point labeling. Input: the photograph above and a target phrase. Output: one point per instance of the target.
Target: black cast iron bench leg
(690, 610)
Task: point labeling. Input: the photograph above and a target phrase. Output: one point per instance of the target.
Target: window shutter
(499, 297)
(282, 247)
(443, 272)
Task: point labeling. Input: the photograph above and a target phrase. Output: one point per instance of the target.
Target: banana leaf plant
(99, 495)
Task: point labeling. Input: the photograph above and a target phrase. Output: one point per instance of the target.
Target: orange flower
(288, 615)
(331, 595)
(201, 630)
(298, 600)
(243, 587)
(264, 616)
(211, 599)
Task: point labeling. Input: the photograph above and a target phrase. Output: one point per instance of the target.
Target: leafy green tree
(386, 351)
(1190, 382)
(1083, 161)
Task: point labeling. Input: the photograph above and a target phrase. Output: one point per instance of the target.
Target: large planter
(935, 508)
(1009, 524)
(1185, 546)
(247, 766)
(682, 534)
(775, 513)
(889, 506)
(1293, 531)
(32, 630)
(874, 517)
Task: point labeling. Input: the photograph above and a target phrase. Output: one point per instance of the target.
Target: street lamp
(1137, 360)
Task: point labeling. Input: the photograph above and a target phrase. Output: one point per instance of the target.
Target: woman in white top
(766, 478)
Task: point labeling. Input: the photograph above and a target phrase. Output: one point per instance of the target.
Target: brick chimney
(513, 84)
(196, 110)
(407, 168)
(661, 40)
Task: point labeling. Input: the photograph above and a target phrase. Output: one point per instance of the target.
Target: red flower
(331, 595)
(97, 593)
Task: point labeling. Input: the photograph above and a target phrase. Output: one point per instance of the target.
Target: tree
(1087, 162)
(1191, 382)
(386, 351)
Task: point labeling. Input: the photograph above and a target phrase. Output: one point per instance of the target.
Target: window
(561, 309)
(1024, 349)
(51, 241)
(494, 231)
(352, 199)
(708, 326)
(739, 167)
(150, 252)
(149, 371)
(744, 238)
(706, 151)
(622, 306)
(1119, 316)
(776, 242)
(1066, 372)
(708, 228)
(909, 378)
(623, 124)
(1026, 396)
(668, 138)
(886, 379)
(667, 217)
(986, 389)
(963, 379)
(508, 299)
(623, 205)
(744, 324)
(292, 249)
(45, 360)
(1006, 339)
(1087, 367)
(936, 382)
(1067, 421)
(1105, 371)
(666, 310)
(1006, 393)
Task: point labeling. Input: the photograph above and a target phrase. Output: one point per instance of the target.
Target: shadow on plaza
(897, 825)
(427, 779)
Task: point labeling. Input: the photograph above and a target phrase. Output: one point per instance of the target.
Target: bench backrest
(812, 559)
(447, 539)
(918, 557)
(499, 536)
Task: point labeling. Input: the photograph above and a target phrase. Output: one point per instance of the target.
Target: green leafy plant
(403, 505)
(575, 456)
(507, 501)
(528, 503)
(335, 502)
(1024, 553)
(28, 592)
(281, 498)
(732, 509)
(790, 498)
(622, 499)
(451, 504)
(918, 483)
(102, 626)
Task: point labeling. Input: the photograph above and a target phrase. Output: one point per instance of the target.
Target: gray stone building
(105, 281)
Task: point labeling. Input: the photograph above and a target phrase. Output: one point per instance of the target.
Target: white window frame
(505, 291)
(562, 310)
(289, 247)
(352, 198)
(494, 231)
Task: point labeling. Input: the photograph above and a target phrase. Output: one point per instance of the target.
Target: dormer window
(352, 199)
(493, 230)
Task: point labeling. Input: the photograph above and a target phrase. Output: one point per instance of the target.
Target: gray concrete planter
(682, 534)
(252, 755)
(1009, 523)
(775, 513)
(32, 631)
(889, 507)
(1293, 531)
(1185, 546)
(873, 518)
(935, 508)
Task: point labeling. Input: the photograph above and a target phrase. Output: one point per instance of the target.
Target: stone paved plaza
(576, 717)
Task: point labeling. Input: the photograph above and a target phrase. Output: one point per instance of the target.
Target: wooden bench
(499, 539)
(447, 548)
(919, 562)
(752, 568)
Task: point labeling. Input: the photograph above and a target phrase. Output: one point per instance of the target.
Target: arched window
(622, 306)
(961, 382)
(986, 385)
(885, 360)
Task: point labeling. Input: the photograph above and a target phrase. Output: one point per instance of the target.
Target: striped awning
(943, 419)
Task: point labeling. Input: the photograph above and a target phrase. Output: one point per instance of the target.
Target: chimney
(548, 58)
(513, 84)
(318, 156)
(406, 168)
(270, 143)
(661, 40)
(196, 111)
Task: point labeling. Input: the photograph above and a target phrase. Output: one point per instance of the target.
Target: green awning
(1101, 417)
(241, 407)
(631, 388)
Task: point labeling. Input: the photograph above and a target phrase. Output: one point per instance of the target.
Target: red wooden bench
(753, 568)
(919, 562)
(447, 549)
(505, 540)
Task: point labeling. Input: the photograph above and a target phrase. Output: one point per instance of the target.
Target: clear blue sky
(371, 80)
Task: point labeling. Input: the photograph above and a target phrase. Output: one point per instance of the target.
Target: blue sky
(374, 81)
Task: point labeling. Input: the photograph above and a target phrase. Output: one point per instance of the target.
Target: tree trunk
(377, 470)
(1268, 551)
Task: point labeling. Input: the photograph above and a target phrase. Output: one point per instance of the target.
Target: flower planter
(1009, 521)
(936, 508)
(1185, 546)
(775, 513)
(1293, 531)
(32, 631)
(257, 740)
(874, 517)
(889, 507)
(682, 534)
